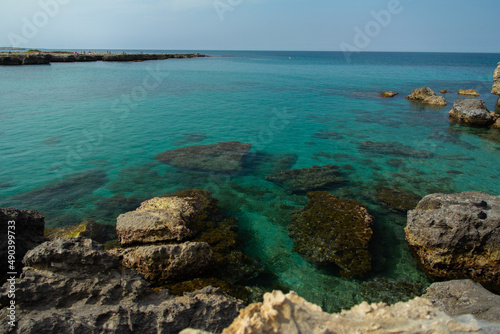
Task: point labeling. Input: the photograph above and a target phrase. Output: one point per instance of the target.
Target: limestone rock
(95, 296)
(166, 261)
(460, 297)
(388, 94)
(332, 230)
(290, 313)
(158, 219)
(421, 94)
(221, 157)
(496, 81)
(457, 236)
(28, 228)
(469, 92)
(307, 179)
(435, 101)
(472, 112)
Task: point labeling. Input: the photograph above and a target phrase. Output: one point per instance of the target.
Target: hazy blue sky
(413, 25)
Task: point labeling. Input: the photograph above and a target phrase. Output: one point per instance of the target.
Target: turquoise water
(74, 135)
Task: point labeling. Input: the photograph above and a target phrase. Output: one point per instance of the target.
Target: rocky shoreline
(45, 58)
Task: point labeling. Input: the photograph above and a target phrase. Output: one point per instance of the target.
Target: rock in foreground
(78, 288)
(221, 157)
(332, 230)
(457, 236)
(307, 179)
(472, 112)
(290, 313)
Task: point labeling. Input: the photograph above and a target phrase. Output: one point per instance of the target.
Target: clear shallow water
(109, 120)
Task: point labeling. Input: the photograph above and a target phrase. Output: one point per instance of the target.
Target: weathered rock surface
(290, 313)
(472, 112)
(435, 101)
(388, 94)
(73, 286)
(221, 157)
(158, 219)
(307, 179)
(460, 297)
(332, 230)
(420, 94)
(457, 236)
(398, 199)
(88, 229)
(166, 261)
(393, 148)
(496, 81)
(469, 92)
(27, 231)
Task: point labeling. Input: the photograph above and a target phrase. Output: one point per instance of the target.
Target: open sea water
(78, 141)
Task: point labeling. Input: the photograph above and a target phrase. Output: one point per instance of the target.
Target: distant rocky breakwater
(45, 58)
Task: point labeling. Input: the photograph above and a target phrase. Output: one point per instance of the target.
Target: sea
(78, 142)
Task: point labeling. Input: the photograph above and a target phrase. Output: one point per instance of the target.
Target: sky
(311, 25)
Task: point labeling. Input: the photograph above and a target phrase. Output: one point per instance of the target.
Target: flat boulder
(332, 230)
(222, 157)
(457, 236)
(420, 94)
(468, 92)
(472, 113)
(307, 179)
(388, 94)
(438, 101)
(161, 262)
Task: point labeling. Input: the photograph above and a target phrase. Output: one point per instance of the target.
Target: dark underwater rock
(457, 236)
(390, 291)
(328, 135)
(26, 232)
(307, 179)
(99, 232)
(472, 113)
(78, 288)
(394, 148)
(333, 230)
(221, 157)
(398, 199)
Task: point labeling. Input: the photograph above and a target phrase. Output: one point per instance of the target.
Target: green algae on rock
(333, 230)
(397, 199)
(99, 232)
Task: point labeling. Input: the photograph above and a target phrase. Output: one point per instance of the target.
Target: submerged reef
(397, 199)
(393, 148)
(307, 179)
(332, 230)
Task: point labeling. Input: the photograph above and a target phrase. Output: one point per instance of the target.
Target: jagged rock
(36, 59)
(460, 297)
(457, 236)
(290, 313)
(166, 261)
(94, 296)
(333, 230)
(27, 232)
(221, 157)
(157, 219)
(388, 94)
(435, 101)
(306, 179)
(469, 92)
(472, 112)
(420, 94)
(397, 199)
(394, 148)
(496, 81)
(88, 229)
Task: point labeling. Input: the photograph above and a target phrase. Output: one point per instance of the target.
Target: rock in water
(307, 179)
(87, 292)
(457, 236)
(157, 219)
(469, 92)
(388, 94)
(420, 94)
(332, 230)
(435, 101)
(397, 199)
(160, 262)
(496, 81)
(460, 297)
(27, 230)
(221, 157)
(472, 112)
(289, 313)
(88, 229)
